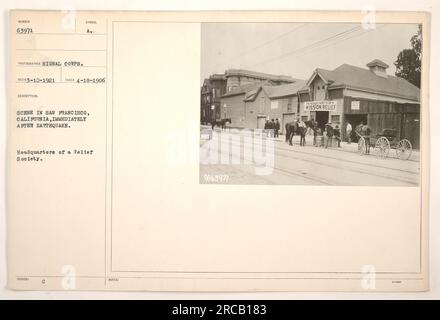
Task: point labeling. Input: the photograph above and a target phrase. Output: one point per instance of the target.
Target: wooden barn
(353, 94)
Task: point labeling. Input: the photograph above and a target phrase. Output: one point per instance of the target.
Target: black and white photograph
(310, 104)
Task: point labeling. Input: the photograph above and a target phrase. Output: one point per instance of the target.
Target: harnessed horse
(293, 127)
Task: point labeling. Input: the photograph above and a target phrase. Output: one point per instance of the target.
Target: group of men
(332, 132)
(272, 127)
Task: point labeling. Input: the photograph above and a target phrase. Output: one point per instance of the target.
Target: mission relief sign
(320, 105)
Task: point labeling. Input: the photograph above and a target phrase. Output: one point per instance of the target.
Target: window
(274, 104)
(289, 104)
(304, 118)
(335, 118)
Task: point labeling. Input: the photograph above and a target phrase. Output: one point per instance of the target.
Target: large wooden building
(353, 94)
(249, 106)
(268, 102)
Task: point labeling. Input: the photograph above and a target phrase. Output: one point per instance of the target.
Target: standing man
(348, 130)
(270, 128)
(315, 130)
(302, 131)
(273, 127)
(337, 134)
(365, 132)
(266, 128)
(277, 128)
(329, 131)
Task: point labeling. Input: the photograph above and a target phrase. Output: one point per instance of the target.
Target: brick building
(212, 89)
(239, 77)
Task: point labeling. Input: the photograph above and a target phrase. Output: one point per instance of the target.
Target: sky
(297, 49)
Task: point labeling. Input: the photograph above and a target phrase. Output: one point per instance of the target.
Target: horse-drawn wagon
(384, 141)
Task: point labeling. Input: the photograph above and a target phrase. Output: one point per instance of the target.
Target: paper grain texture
(103, 172)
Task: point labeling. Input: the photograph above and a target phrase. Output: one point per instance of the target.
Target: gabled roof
(252, 94)
(363, 79)
(244, 89)
(274, 92)
(258, 75)
(251, 91)
(284, 90)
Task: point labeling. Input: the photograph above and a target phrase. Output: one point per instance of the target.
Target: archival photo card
(331, 104)
(193, 151)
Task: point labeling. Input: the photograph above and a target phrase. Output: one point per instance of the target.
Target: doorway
(321, 118)
(261, 120)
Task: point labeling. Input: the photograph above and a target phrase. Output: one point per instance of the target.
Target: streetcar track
(340, 159)
(308, 176)
(362, 171)
(325, 181)
(284, 172)
(351, 161)
(356, 170)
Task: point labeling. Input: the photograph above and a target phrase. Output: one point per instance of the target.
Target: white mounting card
(218, 151)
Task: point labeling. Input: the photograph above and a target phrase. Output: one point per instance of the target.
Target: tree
(409, 63)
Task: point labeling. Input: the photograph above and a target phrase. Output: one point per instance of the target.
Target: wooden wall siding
(379, 121)
(407, 125)
(317, 87)
(336, 94)
(304, 97)
(375, 106)
(405, 118)
(251, 113)
(284, 103)
(411, 129)
(234, 109)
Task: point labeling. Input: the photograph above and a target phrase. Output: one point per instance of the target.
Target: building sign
(355, 105)
(324, 105)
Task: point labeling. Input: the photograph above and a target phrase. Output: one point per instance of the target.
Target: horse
(221, 123)
(293, 127)
(365, 132)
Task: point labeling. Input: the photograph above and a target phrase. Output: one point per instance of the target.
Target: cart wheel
(382, 147)
(361, 145)
(404, 149)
